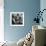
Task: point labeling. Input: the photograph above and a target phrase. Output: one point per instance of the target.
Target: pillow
(21, 42)
(11, 43)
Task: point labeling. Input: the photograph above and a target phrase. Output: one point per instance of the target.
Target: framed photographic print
(17, 18)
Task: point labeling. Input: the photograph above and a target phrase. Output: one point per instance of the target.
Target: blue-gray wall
(29, 7)
(43, 6)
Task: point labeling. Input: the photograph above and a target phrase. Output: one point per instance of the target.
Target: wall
(29, 7)
(43, 6)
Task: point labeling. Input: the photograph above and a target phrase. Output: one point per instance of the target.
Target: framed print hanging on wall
(17, 18)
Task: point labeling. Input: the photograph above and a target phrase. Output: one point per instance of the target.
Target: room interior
(15, 35)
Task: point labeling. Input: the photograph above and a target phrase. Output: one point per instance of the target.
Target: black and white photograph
(17, 18)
